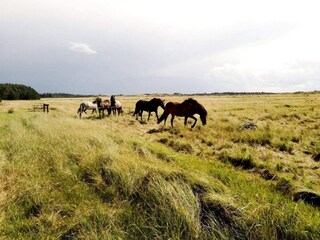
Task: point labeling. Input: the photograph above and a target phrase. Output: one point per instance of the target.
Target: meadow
(62, 177)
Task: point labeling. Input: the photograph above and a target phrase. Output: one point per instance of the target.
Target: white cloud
(81, 47)
(286, 77)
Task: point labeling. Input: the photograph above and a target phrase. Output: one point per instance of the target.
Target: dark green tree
(10, 91)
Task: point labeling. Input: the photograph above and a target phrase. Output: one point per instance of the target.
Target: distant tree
(10, 91)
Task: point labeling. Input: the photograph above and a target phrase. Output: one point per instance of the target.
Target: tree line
(10, 91)
(64, 95)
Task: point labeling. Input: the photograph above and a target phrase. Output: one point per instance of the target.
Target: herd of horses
(111, 105)
(186, 109)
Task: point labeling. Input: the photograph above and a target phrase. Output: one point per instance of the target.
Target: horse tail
(80, 110)
(163, 117)
(136, 111)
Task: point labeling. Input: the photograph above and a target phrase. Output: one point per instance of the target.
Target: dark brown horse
(185, 109)
(148, 106)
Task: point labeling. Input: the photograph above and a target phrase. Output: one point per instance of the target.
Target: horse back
(89, 105)
(143, 105)
(179, 109)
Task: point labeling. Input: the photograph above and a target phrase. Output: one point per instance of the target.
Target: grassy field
(121, 178)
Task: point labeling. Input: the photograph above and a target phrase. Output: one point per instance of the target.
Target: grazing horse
(89, 106)
(115, 105)
(185, 109)
(148, 106)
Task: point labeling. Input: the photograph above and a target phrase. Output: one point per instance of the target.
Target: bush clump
(241, 159)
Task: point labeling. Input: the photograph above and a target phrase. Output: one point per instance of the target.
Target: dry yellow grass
(117, 177)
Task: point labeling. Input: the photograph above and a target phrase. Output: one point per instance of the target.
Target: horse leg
(101, 112)
(140, 114)
(195, 121)
(185, 120)
(157, 114)
(172, 117)
(149, 115)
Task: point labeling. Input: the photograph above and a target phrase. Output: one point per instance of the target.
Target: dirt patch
(87, 177)
(265, 174)
(316, 157)
(34, 210)
(307, 197)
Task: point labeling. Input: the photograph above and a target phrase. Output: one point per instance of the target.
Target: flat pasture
(62, 177)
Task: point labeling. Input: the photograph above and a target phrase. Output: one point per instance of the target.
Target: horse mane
(155, 100)
(112, 100)
(191, 101)
(195, 103)
(98, 101)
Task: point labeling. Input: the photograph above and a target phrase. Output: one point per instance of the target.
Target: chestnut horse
(185, 109)
(104, 105)
(148, 106)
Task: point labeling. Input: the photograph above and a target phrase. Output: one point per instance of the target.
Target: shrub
(284, 186)
(11, 110)
(180, 146)
(241, 159)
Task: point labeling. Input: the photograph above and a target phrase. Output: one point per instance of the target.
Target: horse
(148, 106)
(84, 106)
(104, 105)
(185, 109)
(115, 105)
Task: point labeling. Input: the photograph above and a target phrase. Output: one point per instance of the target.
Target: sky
(167, 46)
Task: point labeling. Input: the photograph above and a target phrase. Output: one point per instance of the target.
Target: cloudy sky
(167, 46)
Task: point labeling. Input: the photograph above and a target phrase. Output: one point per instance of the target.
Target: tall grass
(118, 178)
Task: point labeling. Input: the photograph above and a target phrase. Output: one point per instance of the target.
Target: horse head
(162, 103)
(199, 109)
(97, 101)
(157, 102)
(203, 114)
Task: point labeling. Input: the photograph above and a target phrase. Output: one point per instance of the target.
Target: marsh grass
(115, 178)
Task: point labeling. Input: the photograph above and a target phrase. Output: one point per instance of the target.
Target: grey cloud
(96, 50)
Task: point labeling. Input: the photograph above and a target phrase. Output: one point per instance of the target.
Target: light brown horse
(115, 105)
(104, 105)
(186, 109)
